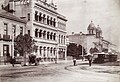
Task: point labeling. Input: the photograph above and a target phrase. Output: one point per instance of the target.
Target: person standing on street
(74, 61)
(12, 61)
(90, 59)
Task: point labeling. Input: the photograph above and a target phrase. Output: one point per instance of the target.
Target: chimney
(11, 6)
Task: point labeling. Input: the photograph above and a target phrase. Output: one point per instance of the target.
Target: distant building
(93, 39)
(11, 26)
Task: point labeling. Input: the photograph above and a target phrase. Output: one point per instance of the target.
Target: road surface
(62, 72)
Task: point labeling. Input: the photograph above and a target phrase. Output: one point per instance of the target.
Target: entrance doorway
(6, 53)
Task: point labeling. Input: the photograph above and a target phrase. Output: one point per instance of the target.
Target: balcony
(6, 38)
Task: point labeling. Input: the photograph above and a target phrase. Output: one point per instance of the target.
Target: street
(61, 72)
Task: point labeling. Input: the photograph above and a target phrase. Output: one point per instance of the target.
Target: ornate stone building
(45, 25)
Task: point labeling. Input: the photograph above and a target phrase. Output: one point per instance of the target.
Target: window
(44, 19)
(48, 20)
(40, 49)
(59, 38)
(36, 32)
(51, 50)
(21, 30)
(28, 16)
(14, 30)
(54, 23)
(54, 51)
(40, 33)
(36, 15)
(64, 39)
(51, 21)
(5, 28)
(47, 35)
(51, 36)
(28, 32)
(44, 34)
(40, 17)
(54, 36)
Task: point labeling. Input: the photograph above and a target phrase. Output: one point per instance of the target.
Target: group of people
(89, 57)
(32, 60)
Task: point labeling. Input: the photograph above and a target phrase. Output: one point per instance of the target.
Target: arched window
(51, 35)
(54, 22)
(64, 39)
(36, 15)
(36, 32)
(51, 50)
(44, 34)
(59, 38)
(40, 17)
(48, 35)
(44, 48)
(51, 21)
(48, 20)
(40, 49)
(54, 51)
(40, 33)
(54, 36)
(44, 19)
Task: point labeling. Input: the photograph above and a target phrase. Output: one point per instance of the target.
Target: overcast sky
(79, 13)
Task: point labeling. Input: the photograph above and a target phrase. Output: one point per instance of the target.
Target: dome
(91, 26)
(99, 29)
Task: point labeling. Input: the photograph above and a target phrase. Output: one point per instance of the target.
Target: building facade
(93, 39)
(46, 26)
(11, 26)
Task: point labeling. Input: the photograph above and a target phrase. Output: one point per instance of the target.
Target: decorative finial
(98, 25)
(91, 21)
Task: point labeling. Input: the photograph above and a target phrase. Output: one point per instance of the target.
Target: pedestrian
(74, 61)
(12, 61)
(90, 59)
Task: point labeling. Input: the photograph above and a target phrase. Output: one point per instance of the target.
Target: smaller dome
(98, 28)
(91, 26)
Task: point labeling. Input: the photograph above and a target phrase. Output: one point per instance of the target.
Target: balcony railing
(6, 38)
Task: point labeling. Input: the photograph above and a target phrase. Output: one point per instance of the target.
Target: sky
(105, 13)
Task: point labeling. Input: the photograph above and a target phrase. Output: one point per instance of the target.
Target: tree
(94, 50)
(72, 49)
(23, 45)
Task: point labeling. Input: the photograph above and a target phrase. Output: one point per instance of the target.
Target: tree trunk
(24, 54)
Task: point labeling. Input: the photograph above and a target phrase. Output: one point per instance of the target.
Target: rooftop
(10, 16)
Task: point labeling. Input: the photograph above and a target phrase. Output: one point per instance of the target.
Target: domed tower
(98, 32)
(91, 29)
